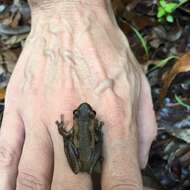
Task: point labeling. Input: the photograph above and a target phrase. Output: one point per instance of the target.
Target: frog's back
(84, 148)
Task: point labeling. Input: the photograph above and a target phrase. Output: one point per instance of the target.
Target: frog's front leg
(72, 155)
(61, 127)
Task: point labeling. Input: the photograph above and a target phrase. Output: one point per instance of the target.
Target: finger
(63, 177)
(36, 163)
(11, 142)
(146, 123)
(121, 167)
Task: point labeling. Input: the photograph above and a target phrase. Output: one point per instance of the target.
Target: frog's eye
(76, 113)
(92, 114)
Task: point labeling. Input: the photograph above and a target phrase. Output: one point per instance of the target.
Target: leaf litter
(161, 43)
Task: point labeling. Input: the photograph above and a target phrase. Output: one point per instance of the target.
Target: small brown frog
(83, 143)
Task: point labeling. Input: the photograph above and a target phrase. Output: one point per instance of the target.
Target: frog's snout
(84, 112)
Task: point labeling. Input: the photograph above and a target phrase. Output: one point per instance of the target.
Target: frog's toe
(76, 171)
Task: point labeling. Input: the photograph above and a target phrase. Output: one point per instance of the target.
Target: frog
(83, 142)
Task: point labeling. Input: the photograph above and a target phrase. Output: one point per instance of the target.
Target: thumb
(146, 122)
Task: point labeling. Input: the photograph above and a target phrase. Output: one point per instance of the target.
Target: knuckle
(123, 183)
(27, 180)
(7, 155)
(74, 187)
(70, 185)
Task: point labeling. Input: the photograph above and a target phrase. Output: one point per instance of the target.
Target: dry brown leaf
(9, 59)
(2, 94)
(117, 5)
(182, 65)
(15, 20)
(14, 40)
(5, 1)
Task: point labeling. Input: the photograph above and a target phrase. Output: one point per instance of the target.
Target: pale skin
(75, 53)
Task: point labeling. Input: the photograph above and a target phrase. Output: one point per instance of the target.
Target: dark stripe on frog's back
(84, 140)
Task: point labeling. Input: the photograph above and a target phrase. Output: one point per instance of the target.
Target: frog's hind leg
(98, 131)
(72, 156)
(98, 167)
(96, 159)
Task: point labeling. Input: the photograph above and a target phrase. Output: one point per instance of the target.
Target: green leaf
(163, 62)
(182, 2)
(164, 8)
(170, 18)
(142, 40)
(170, 7)
(161, 12)
(180, 101)
(163, 3)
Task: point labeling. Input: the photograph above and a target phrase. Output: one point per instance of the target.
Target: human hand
(70, 57)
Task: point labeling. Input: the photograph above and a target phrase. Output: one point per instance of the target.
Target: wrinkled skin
(75, 53)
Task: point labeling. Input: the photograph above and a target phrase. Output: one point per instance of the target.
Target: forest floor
(159, 35)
